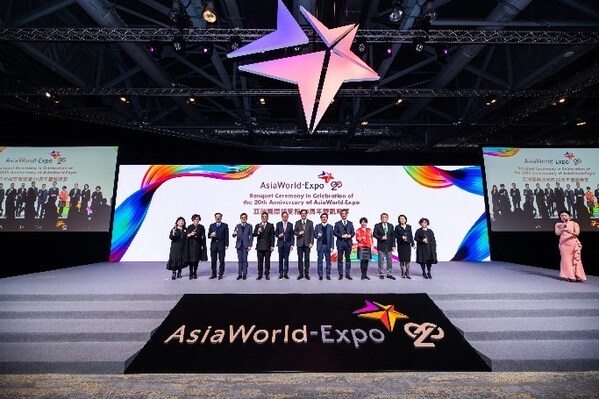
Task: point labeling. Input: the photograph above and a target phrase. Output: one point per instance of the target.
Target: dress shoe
(328, 277)
(245, 277)
(179, 274)
(347, 276)
(239, 277)
(391, 277)
(429, 275)
(382, 277)
(340, 277)
(191, 276)
(195, 276)
(268, 277)
(286, 276)
(300, 277)
(220, 277)
(280, 277)
(362, 278)
(259, 278)
(366, 278)
(307, 277)
(425, 276)
(174, 276)
(212, 277)
(408, 276)
(403, 276)
(320, 278)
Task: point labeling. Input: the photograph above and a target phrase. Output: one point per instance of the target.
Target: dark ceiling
(524, 54)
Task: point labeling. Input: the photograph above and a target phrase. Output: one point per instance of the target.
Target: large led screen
(150, 198)
(526, 188)
(45, 189)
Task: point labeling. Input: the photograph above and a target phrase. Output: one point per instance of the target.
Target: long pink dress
(569, 248)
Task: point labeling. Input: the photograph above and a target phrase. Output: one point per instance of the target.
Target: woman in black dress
(426, 247)
(177, 258)
(405, 243)
(196, 245)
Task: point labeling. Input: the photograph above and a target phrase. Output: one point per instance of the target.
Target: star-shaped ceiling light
(318, 75)
(385, 313)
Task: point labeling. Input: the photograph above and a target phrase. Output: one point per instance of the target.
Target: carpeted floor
(521, 385)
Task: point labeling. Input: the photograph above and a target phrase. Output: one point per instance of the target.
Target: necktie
(218, 225)
(385, 228)
(344, 223)
(304, 223)
(263, 225)
(285, 226)
(243, 225)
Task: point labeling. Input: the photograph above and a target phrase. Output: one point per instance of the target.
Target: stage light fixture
(179, 45)
(491, 100)
(360, 46)
(418, 44)
(429, 12)
(175, 11)
(209, 12)
(234, 43)
(396, 12)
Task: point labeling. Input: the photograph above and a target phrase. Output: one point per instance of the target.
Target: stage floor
(91, 319)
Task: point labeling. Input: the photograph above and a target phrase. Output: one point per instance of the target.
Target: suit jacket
(308, 237)
(399, 232)
(244, 236)
(378, 233)
(339, 230)
(318, 230)
(288, 237)
(221, 240)
(265, 237)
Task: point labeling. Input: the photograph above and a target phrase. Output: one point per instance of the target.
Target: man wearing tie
(284, 234)
(219, 242)
(344, 231)
(385, 244)
(304, 231)
(324, 245)
(243, 244)
(265, 244)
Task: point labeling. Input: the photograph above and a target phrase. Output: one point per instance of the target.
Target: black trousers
(263, 261)
(220, 254)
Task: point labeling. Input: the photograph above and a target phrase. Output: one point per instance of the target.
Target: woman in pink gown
(569, 248)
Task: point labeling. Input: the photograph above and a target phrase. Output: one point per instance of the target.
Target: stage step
(529, 331)
(76, 333)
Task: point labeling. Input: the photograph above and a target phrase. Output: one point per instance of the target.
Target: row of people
(189, 245)
(33, 201)
(547, 201)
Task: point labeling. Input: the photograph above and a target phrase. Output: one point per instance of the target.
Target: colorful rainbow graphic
(500, 151)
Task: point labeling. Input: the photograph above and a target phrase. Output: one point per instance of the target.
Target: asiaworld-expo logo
(422, 334)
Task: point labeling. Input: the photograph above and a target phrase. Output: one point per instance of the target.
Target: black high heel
(179, 274)
(174, 275)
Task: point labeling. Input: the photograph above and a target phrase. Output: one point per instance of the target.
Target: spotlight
(262, 101)
(191, 100)
(179, 45)
(490, 100)
(175, 11)
(235, 43)
(418, 44)
(360, 46)
(206, 49)
(209, 13)
(52, 97)
(429, 12)
(124, 99)
(388, 50)
(155, 48)
(580, 122)
(396, 11)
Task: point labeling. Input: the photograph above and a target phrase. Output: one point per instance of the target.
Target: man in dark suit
(344, 231)
(579, 203)
(219, 242)
(324, 245)
(304, 231)
(265, 244)
(569, 194)
(515, 196)
(385, 244)
(245, 239)
(285, 238)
